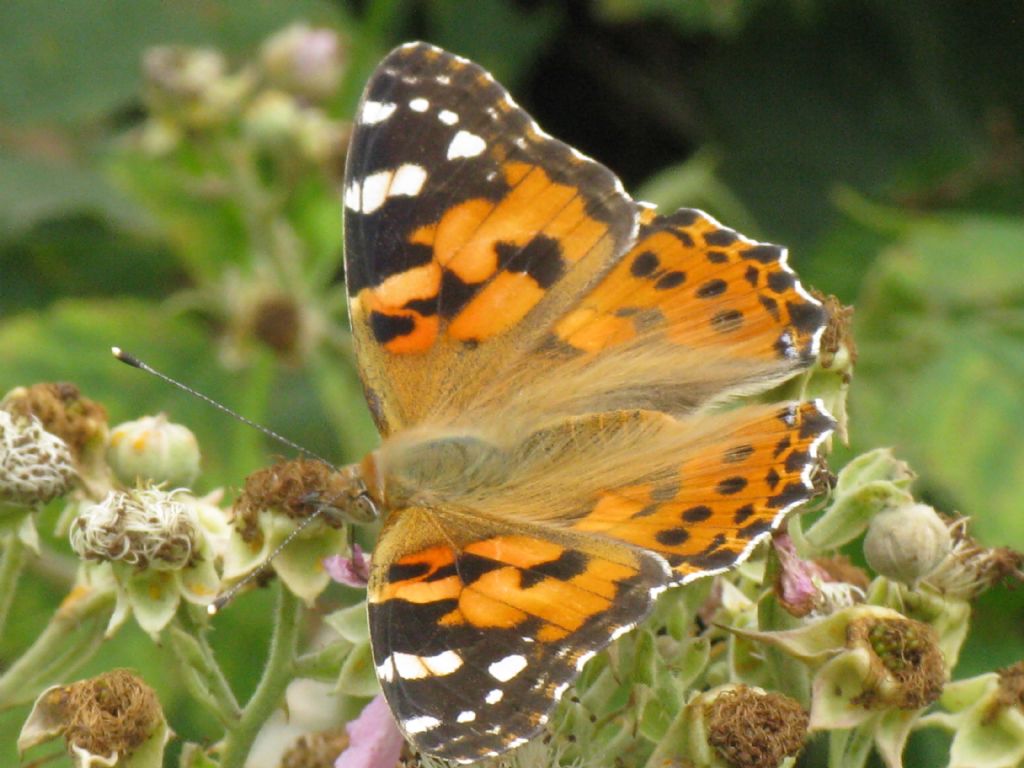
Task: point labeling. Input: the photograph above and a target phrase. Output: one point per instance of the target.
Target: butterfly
(546, 360)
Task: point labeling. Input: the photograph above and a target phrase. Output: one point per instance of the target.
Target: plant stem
(11, 566)
(69, 640)
(203, 676)
(271, 688)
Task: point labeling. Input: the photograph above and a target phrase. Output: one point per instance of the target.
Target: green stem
(78, 624)
(270, 691)
(849, 748)
(203, 676)
(13, 563)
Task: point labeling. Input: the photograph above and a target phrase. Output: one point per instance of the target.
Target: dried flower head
(35, 465)
(146, 528)
(103, 719)
(316, 750)
(970, 569)
(63, 411)
(296, 489)
(752, 729)
(907, 670)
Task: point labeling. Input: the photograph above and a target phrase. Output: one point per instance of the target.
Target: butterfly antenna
(217, 605)
(134, 362)
(227, 597)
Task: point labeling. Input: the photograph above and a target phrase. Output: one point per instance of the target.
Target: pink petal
(374, 740)
(351, 571)
(796, 587)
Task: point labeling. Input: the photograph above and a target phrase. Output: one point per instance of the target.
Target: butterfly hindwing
(478, 629)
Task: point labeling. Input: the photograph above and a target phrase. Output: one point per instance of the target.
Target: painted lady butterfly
(542, 356)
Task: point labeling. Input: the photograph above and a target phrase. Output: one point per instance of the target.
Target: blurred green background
(882, 142)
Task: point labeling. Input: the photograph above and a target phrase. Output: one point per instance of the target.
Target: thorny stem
(14, 556)
(271, 688)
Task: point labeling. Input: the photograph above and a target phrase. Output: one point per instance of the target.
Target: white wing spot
(375, 191)
(447, 117)
(556, 694)
(443, 79)
(376, 112)
(386, 671)
(420, 724)
(412, 667)
(467, 716)
(419, 105)
(352, 195)
(494, 696)
(466, 144)
(583, 659)
(408, 180)
(517, 742)
(507, 668)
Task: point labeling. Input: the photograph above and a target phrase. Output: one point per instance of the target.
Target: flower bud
(155, 450)
(906, 543)
(307, 61)
(107, 718)
(272, 118)
(35, 465)
(191, 86)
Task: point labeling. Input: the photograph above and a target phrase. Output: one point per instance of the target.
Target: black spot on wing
(389, 327)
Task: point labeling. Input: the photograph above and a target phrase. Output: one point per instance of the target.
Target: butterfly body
(550, 365)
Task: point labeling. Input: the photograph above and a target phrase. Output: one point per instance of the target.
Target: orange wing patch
(513, 617)
(702, 285)
(492, 263)
(724, 498)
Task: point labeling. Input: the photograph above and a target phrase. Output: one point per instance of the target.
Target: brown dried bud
(754, 729)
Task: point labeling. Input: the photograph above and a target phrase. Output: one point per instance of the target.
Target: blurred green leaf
(71, 342)
(33, 188)
(69, 61)
(940, 327)
(714, 16)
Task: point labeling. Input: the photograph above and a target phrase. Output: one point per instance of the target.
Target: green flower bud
(907, 543)
(153, 449)
(114, 719)
(35, 465)
(271, 119)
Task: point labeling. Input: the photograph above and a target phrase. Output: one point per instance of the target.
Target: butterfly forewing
(462, 219)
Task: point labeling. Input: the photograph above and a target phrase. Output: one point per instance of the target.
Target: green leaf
(71, 342)
(941, 335)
